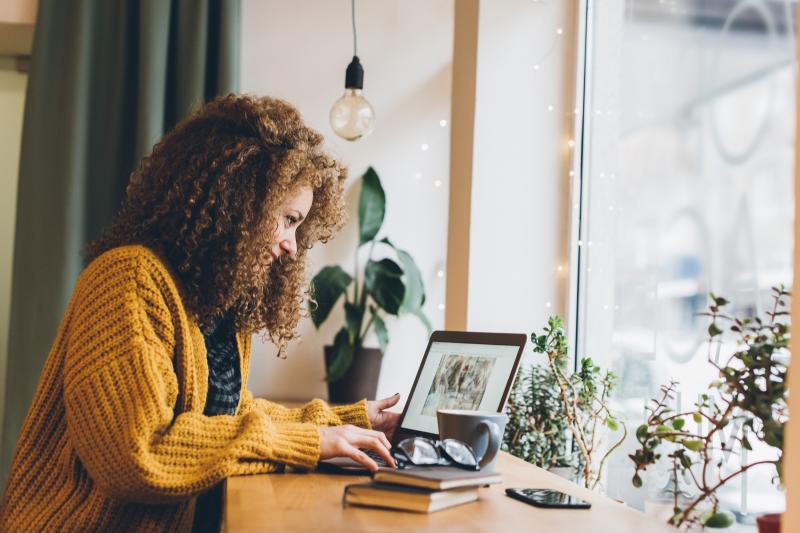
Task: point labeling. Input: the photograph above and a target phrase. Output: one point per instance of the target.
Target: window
(686, 186)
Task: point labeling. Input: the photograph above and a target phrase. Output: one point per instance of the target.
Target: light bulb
(352, 117)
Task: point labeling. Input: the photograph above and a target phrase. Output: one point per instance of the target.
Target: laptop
(460, 370)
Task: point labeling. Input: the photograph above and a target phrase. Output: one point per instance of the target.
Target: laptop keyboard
(377, 458)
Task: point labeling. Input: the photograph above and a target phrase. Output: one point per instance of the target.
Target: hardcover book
(372, 494)
(436, 478)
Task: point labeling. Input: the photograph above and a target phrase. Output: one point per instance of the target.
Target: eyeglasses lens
(459, 452)
(419, 451)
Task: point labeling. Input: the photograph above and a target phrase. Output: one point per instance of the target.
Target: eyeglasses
(420, 451)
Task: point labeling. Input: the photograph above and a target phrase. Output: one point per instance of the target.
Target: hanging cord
(355, 36)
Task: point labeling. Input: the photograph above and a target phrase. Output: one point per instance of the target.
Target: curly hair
(207, 200)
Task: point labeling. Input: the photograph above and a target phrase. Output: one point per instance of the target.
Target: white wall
(298, 51)
(515, 230)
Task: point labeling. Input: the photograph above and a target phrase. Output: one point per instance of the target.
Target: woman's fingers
(345, 441)
(391, 401)
(372, 443)
(362, 458)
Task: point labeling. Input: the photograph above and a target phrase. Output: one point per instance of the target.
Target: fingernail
(396, 394)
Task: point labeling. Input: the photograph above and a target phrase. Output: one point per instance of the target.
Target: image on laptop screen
(459, 376)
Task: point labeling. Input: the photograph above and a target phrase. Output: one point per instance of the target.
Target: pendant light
(352, 117)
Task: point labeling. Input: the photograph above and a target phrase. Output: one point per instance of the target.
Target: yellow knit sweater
(116, 439)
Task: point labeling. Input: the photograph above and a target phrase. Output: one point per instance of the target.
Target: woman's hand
(349, 441)
(382, 420)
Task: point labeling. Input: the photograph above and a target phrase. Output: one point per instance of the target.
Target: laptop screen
(459, 376)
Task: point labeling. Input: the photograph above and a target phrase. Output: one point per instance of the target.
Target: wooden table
(313, 502)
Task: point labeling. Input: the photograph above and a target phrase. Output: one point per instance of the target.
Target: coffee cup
(482, 430)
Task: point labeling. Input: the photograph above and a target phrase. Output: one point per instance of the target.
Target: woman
(142, 404)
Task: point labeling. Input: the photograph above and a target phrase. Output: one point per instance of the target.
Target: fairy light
(547, 304)
(437, 183)
(424, 147)
(550, 108)
(440, 273)
(443, 123)
(418, 175)
(441, 307)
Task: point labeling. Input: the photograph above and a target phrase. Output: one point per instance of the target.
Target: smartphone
(548, 498)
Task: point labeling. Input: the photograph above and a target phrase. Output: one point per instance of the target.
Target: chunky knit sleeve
(121, 389)
(316, 411)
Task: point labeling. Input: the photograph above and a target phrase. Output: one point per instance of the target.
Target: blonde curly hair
(207, 200)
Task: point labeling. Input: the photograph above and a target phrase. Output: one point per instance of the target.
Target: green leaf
(641, 433)
(697, 417)
(383, 280)
(637, 481)
(694, 445)
(371, 206)
(352, 317)
(678, 423)
(424, 319)
(719, 520)
(342, 356)
(380, 331)
(612, 424)
(686, 462)
(415, 288)
(328, 286)
(713, 330)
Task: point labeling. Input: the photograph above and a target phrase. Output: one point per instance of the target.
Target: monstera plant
(387, 286)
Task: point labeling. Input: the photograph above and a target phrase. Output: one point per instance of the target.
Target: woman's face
(292, 213)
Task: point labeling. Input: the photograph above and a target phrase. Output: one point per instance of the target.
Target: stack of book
(420, 489)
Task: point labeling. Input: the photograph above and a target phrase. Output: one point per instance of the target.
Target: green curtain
(107, 79)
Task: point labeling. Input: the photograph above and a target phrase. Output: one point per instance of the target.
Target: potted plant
(749, 396)
(382, 287)
(575, 404)
(536, 431)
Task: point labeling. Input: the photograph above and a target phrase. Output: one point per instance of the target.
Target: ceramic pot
(769, 523)
(361, 379)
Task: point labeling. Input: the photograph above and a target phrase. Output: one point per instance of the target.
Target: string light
(441, 307)
(424, 147)
(550, 108)
(440, 273)
(547, 304)
(443, 123)
(418, 175)
(437, 183)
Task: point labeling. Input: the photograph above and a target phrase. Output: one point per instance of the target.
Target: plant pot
(769, 523)
(361, 379)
